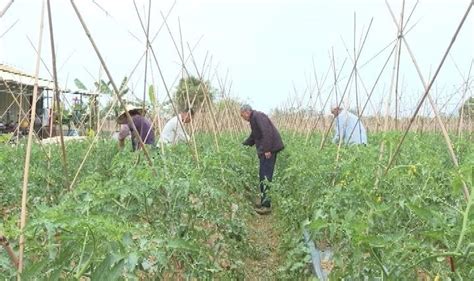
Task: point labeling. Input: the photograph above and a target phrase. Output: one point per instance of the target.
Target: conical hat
(122, 119)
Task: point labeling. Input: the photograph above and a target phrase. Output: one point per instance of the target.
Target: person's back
(349, 127)
(144, 128)
(264, 133)
(173, 131)
(170, 133)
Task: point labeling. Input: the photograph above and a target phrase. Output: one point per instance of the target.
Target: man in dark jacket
(267, 140)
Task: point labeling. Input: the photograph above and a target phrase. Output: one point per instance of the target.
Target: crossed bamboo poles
(395, 88)
(222, 84)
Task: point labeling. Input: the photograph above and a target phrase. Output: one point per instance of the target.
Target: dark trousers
(267, 166)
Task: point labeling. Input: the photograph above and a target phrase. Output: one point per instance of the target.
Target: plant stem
(464, 222)
(446, 254)
(379, 262)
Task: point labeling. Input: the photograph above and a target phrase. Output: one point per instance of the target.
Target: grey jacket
(264, 134)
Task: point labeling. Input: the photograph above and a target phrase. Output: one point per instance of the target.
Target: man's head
(245, 112)
(335, 110)
(187, 115)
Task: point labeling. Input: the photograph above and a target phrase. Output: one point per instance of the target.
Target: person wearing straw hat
(268, 143)
(142, 124)
(348, 127)
(173, 131)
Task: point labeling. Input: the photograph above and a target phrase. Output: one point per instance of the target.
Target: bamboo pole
(145, 88)
(359, 78)
(157, 115)
(319, 87)
(56, 93)
(432, 103)
(24, 196)
(338, 102)
(227, 113)
(400, 35)
(202, 85)
(426, 94)
(6, 245)
(184, 70)
(2, 12)
(115, 88)
(156, 107)
(465, 90)
(333, 89)
(147, 33)
(387, 116)
(20, 119)
(152, 40)
(359, 113)
(347, 84)
(356, 72)
(94, 141)
(373, 89)
(195, 154)
(394, 83)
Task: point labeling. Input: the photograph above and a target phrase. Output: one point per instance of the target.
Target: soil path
(263, 264)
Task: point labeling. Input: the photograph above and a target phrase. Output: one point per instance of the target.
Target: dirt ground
(264, 263)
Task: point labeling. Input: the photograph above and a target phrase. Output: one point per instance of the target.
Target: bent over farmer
(268, 143)
(143, 125)
(348, 128)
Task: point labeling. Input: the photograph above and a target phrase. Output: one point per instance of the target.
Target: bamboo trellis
(220, 120)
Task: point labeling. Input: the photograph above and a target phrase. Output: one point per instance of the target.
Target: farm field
(194, 219)
(236, 140)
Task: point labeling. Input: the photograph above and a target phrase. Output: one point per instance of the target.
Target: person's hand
(268, 154)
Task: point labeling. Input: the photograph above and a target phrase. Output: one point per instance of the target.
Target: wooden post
(426, 94)
(347, 84)
(56, 92)
(24, 196)
(2, 12)
(6, 245)
(116, 90)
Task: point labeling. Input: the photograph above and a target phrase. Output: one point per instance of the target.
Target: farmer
(268, 143)
(348, 128)
(142, 124)
(174, 132)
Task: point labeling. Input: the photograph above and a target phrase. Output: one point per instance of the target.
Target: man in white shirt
(174, 132)
(348, 127)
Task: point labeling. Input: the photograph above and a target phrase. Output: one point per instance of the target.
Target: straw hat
(122, 119)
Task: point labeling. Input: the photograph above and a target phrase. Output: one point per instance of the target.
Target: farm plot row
(120, 221)
(413, 223)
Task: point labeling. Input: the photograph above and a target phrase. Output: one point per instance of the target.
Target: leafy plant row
(414, 222)
(120, 221)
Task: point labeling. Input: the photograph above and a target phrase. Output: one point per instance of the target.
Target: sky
(267, 53)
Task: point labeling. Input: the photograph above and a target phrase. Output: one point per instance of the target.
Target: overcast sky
(265, 48)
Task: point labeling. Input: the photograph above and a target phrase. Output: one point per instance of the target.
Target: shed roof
(15, 76)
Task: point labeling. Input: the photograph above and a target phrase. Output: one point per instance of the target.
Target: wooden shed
(16, 95)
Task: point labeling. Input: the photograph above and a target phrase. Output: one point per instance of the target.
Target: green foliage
(80, 85)
(5, 138)
(413, 214)
(122, 222)
(192, 91)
